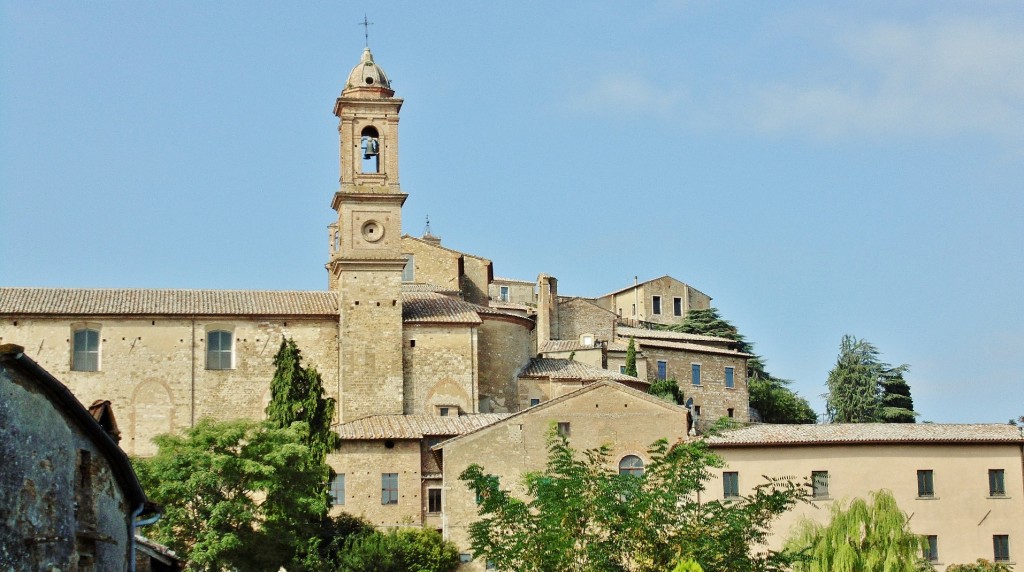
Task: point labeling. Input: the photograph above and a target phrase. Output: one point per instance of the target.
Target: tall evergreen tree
(863, 389)
(631, 358)
(769, 395)
(297, 394)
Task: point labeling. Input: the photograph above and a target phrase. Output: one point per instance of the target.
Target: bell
(371, 148)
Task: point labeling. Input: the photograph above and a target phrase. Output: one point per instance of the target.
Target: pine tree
(863, 389)
(897, 405)
(631, 358)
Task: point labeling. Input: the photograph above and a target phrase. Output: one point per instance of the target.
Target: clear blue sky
(818, 168)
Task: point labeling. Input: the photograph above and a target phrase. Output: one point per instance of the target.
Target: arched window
(631, 465)
(369, 144)
(85, 355)
(219, 349)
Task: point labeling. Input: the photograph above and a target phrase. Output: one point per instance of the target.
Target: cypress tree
(631, 358)
(297, 394)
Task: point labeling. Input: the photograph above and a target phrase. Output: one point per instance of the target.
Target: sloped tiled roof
(438, 245)
(139, 301)
(640, 344)
(866, 433)
(425, 307)
(564, 346)
(627, 332)
(415, 426)
(570, 369)
(424, 287)
(512, 281)
(617, 346)
(501, 305)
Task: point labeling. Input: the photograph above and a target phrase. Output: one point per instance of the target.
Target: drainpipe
(136, 524)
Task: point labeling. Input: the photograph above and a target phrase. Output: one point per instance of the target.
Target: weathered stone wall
(153, 369)
(476, 279)
(711, 395)
(363, 463)
(440, 367)
(616, 361)
(505, 346)
(668, 289)
(593, 356)
(577, 317)
(49, 465)
(433, 264)
(518, 292)
(602, 416)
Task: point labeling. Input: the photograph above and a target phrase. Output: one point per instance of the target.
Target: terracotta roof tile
(425, 307)
(640, 344)
(627, 332)
(415, 426)
(512, 281)
(569, 369)
(867, 433)
(424, 287)
(564, 346)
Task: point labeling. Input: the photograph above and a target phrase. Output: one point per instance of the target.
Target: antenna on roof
(366, 29)
(429, 236)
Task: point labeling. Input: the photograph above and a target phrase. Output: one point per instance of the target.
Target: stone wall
(505, 346)
(476, 279)
(433, 264)
(153, 369)
(519, 292)
(363, 463)
(440, 367)
(711, 395)
(577, 316)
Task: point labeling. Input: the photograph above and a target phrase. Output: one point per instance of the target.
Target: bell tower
(366, 260)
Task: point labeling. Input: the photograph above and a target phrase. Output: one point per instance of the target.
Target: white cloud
(627, 97)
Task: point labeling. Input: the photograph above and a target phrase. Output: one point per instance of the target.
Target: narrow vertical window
(86, 350)
(730, 380)
(631, 465)
(433, 500)
(730, 412)
(695, 373)
(409, 271)
(1001, 547)
(622, 369)
(925, 483)
(656, 305)
(662, 369)
(369, 144)
(931, 548)
(996, 483)
(389, 488)
(564, 429)
(730, 484)
(338, 489)
(503, 293)
(218, 349)
(677, 306)
(819, 484)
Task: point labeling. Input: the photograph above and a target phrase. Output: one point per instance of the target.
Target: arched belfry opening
(369, 146)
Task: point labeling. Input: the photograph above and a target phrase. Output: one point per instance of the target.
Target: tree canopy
(297, 394)
(582, 515)
(769, 395)
(236, 494)
(867, 536)
(863, 389)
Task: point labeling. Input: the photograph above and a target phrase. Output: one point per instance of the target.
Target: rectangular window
(535, 401)
(662, 369)
(465, 557)
(996, 483)
(389, 488)
(338, 489)
(656, 304)
(925, 483)
(695, 373)
(730, 378)
(677, 306)
(730, 412)
(442, 411)
(622, 369)
(931, 548)
(819, 484)
(1001, 547)
(86, 351)
(218, 349)
(696, 410)
(503, 293)
(433, 500)
(409, 272)
(731, 484)
(634, 310)
(563, 428)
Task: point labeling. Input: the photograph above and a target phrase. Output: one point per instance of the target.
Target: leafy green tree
(867, 536)
(402, 550)
(857, 386)
(667, 389)
(583, 516)
(980, 565)
(769, 395)
(297, 394)
(236, 495)
(631, 358)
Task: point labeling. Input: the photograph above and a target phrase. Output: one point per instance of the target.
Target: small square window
(433, 500)
(564, 429)
(656, 305)
(695, 373)
(1001, 547)
(535, 401)
(442, 411)
(730, 484)
(925, 483)
(996, 483)
(931, 548)
(730, 378)
(819, 484)
(389, 488)
(338, 489)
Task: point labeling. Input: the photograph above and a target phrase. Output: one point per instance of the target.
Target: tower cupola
(367, 78)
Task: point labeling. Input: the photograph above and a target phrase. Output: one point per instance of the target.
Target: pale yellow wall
(441, 369)
(518, 292)
(961, 514)
(589, 356)
(616, 360)
(666, 287)
(476, 279)
(505, 347)
(604, 415)
(433, 265)
(362, 463)
(153, 369)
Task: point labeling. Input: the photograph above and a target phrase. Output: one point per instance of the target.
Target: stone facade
(507, 346)
(513, 291)
(662, 300)
(440, 368)
(579, 316)
(448, 269)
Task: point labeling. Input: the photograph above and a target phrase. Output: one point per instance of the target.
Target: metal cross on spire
(366, 29)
